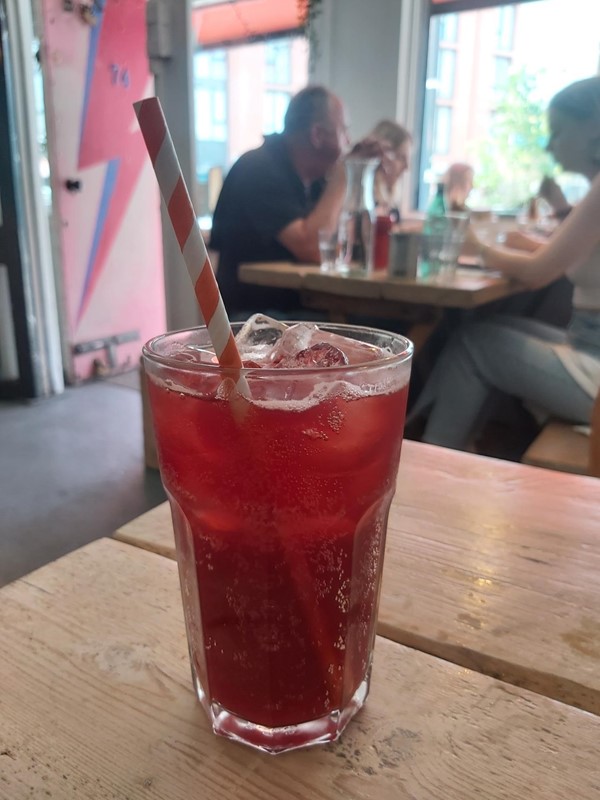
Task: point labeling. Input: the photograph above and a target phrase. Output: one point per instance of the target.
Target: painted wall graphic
(109, 218)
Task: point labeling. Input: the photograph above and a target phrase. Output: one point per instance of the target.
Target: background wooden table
(378, 294)
(489, 564)
(96, 702)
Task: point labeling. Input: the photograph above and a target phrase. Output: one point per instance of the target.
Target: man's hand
(369, 147)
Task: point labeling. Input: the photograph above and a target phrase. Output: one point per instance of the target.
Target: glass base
(352, 270)
(291, 737)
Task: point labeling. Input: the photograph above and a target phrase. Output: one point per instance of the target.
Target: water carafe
(356, 235)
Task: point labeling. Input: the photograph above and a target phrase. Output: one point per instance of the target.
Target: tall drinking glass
(279, 502)
(441, 242)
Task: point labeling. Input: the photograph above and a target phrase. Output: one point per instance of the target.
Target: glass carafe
(356, 235)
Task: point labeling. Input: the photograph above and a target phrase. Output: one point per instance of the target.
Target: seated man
(275, 199)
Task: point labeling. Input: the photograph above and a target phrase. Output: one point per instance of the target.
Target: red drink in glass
(280, 505)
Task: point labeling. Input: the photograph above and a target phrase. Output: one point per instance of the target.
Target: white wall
(372, 54)
(357, 57)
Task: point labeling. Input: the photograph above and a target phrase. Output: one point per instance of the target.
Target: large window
(278, 63)
(278, 75)
(506, 27)
(275, 106)
(490, 75)
(210, 114)
(448, 28)
(241, 93)
(443, 130)
(440, 97)
(446, 74)
(502, 65)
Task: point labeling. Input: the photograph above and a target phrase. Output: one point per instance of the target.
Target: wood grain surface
(96, 702)
(469, 288)
(489, 564)
(496, 566)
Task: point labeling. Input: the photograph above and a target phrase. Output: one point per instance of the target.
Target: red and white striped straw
(183, 218)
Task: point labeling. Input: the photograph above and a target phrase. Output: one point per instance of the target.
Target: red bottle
(383, 226)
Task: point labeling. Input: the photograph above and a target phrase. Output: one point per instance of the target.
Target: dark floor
(71, 471)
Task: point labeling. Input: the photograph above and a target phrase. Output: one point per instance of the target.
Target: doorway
(30, 352)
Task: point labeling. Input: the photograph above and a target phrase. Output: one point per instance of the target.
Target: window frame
(451, 6)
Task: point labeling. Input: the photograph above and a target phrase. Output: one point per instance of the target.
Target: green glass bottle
(437, 206)
(433, 232)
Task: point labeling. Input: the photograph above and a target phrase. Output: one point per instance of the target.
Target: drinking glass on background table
(404, 253)
(328, 248)
(441, 241)
(279, 502)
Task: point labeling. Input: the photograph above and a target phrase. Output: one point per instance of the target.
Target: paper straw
(181, 213)
(183, 219)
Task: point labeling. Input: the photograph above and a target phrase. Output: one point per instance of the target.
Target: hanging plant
(308, 11)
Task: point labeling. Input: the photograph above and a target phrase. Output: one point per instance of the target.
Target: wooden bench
(561, 446)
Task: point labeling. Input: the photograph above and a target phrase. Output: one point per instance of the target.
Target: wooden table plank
(489, 564)
(496, 566)
(279, 274)
(97, 703)
(468, 289)
(151, 531)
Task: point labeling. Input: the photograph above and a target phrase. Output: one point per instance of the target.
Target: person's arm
(553, 194)
(572, 243)
(301, 236)
(517, 240)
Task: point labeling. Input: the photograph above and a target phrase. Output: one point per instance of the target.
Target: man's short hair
(310, 105)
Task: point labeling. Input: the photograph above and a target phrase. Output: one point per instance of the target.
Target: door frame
(25, 232)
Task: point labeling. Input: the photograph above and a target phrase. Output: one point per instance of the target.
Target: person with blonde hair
(396, 143)
(548, 368)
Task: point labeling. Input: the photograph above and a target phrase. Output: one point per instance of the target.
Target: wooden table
(96, 702)
(379, 294)
(489, 564)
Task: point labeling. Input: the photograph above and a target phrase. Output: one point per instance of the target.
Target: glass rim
(190, 366)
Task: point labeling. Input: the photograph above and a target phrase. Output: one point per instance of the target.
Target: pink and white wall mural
(105, 193)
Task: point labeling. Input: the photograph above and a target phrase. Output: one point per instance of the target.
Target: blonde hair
(391, 132)
(394, 135)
